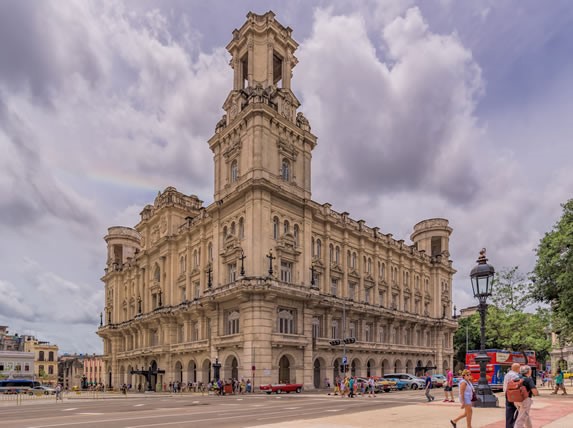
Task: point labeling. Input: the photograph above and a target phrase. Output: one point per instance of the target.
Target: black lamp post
(482, 280)
(242, 258)
(216, 369)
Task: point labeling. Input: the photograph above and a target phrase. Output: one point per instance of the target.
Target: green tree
(553, 273)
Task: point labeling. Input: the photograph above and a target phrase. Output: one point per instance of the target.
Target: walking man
(448, 388)
(559, 382)
(510, 409)
(428, 387)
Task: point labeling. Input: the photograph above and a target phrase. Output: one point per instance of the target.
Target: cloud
(381, 114)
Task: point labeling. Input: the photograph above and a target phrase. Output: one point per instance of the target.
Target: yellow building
(263, 279)
(45, 360)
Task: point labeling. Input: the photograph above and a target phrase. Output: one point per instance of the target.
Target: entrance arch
(284, 370)
(206, 371)
(385, 366)
(234, 368)
(153, 376)
(336, 369)
(192, 371)
(316, 373)
(178, 372)
(409, 367)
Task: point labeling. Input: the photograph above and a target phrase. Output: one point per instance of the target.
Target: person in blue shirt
(428, 387)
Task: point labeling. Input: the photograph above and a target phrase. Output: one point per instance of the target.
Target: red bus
(499, 364)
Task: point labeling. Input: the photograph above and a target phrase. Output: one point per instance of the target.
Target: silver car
(412, 381)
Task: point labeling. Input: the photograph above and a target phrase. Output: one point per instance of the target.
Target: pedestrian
(59, 392)
(448, 388)
(466, 398)
(511, 411)
(549, 377)
(559, 382)
(428, 387)
(371, 387)
(524, 419)
(351, 382)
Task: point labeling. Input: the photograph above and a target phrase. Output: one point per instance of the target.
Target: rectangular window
(232, 270)
(197, 289)
(287, 321)
(180, 333)
(286, 271)
(232, 322)
(351, 290)
(334, 287)
(352, 329)
(195, 332)
(367, 292)
(316, 324)
(334, 329)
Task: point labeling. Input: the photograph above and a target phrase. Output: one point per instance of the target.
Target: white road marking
(67, 410)
(138, 405)
(291, 408)
(90, 414)
(333, 410)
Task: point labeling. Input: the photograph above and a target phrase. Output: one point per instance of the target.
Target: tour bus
(16, 386)
(499, 364)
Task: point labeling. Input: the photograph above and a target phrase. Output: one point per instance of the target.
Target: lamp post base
(487, 400)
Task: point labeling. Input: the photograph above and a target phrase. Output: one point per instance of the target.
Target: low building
(16, 365)
(71, 371)
(10, 342)
(45, 359)
(93, 369)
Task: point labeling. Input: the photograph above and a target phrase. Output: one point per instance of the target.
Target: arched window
(233, 228)
(241, 228)
(224, 232)
(286, 227)
(295, 233)
(337, 254)
(41, 356)
(210, 251)
(313, 249)
(285, 170)
(195, 259)
(331, 253)
(275, 228)
(369, 267)
(157, 274)
(354, 260)
(348, 259)
(181, 264)
(318, 248)
(234, 171)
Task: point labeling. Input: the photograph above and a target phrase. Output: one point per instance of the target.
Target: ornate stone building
(264, 278)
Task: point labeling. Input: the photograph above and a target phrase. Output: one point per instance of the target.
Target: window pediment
(287, 150)
(354, 273)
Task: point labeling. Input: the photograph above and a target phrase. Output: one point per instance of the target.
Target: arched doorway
(284, 370)
(353, 368)
(316, 374)
(370, 368)
(192, 371)
(397, 366)
(153, 376)
(178, 372)
(419, 368)
(409, 367)
(206, 375)
(385, 366)
(234, 368)
(335, 370)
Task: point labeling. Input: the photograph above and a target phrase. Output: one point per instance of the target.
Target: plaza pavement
(548, 411)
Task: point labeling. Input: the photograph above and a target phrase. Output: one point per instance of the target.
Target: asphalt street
(184, 410)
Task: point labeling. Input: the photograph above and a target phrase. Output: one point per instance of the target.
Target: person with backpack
(524, 419)
(510, 409)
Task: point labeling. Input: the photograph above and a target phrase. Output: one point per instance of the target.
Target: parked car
(412, 381)
(279, 388)
(456, 380)
(385, 385)
(39, 390)
(438, 380)
(399, 384)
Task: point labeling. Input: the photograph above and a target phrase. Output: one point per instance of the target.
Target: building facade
(16, 365)
(263, 279)
(45, 359)
(10, 342)
(71, 371)
(94, 370)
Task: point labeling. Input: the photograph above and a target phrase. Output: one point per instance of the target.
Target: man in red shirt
(449, 386)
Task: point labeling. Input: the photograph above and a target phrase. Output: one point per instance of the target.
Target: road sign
(344, 360)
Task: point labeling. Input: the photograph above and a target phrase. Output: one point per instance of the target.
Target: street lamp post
(216, 369)
(482, 279)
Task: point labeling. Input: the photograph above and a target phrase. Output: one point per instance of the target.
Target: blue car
(400, 384)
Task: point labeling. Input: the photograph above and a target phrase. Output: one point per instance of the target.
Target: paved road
(138, 411)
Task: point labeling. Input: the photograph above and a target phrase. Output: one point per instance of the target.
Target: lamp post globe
(482, 276)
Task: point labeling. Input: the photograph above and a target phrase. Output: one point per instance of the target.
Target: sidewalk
(550, 411)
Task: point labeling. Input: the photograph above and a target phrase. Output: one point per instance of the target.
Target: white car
(412, 381)
(46, 390)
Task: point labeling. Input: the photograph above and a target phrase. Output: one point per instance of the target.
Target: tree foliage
(508, 325)
(553, 273)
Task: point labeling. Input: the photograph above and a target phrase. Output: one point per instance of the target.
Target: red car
(282, 387)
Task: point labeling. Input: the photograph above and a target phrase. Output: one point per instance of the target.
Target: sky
(437, 108)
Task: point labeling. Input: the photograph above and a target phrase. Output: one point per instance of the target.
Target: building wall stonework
(262, 279)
